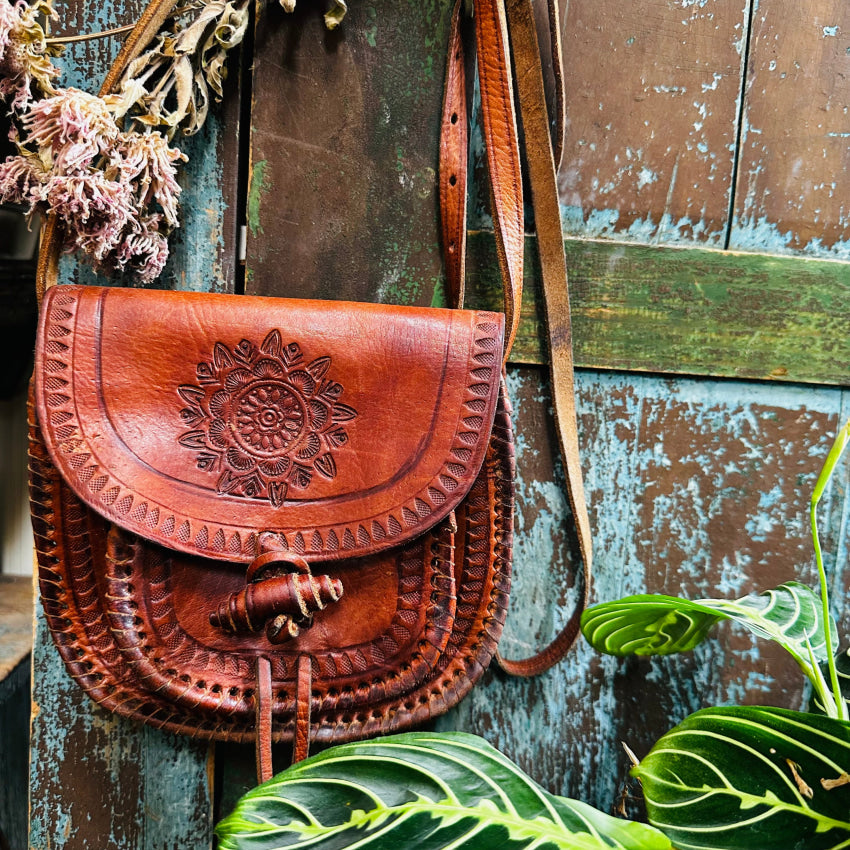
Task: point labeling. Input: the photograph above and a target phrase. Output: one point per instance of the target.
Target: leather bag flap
(199, 421)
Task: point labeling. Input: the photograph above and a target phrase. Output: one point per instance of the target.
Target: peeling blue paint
(766, 237)
(602, 224)
(637, 526)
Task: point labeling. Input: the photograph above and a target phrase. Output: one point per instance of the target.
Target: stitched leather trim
(126, 444)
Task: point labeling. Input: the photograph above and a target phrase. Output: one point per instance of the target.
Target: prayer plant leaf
(842, 667)
(749, 777)
(422, 790)
(790, 614)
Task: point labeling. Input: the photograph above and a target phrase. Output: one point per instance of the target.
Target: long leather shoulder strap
(550, 244)
(507, 217)
(501, 142)
(454, 153)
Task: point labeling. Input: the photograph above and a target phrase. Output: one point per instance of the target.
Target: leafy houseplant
(734, 777)
(423, 790)
(746, 776)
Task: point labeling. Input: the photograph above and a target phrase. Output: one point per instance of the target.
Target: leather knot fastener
(281, 595)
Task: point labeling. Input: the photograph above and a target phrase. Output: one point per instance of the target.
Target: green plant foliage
(790, 614)
(424, 791)
(749, 777)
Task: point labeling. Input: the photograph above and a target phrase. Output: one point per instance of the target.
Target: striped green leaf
(423, 791)
(790, 614)
(748, 777)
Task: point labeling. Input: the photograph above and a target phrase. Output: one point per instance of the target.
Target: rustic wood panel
(14, 755)
(793, 182)
(652, 89)
(344, 149)
(96, 780)
(685, 310)
(696, 488)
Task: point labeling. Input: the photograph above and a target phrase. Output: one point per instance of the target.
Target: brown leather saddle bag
(267, 519)
(220, 479)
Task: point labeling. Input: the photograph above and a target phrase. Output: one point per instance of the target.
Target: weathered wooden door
(712, 381)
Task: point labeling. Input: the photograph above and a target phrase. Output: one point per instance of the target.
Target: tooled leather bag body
(223, 478)
(262, 518)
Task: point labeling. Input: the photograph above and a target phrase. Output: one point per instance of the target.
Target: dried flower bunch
(104, 165)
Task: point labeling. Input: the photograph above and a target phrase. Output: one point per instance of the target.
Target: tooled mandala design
(263, 419)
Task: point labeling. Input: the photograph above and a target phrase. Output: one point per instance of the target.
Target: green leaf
(749, 777)
(842, 669)
(790, 614)
(424, 791)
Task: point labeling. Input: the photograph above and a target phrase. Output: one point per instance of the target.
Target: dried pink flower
(73, 126)
(24, 52)
(96, 211)
(115, 192)
(23, 180)
(143, 251)
(145, 162)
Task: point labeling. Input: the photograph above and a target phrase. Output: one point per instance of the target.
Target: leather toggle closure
(281, 595)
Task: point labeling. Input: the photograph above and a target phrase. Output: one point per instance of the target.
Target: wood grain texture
(652, 91)
(14, 755)
(685, 310)
(344, 147)
(101, 781)
(97, 781)
(793, 176)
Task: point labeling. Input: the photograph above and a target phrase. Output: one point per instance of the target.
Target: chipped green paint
(370, 31)
(687, 311)
(260, 185)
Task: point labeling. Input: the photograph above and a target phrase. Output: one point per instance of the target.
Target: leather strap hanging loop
(454, 152)
(550, 243)
(498, 116)
(507, 216)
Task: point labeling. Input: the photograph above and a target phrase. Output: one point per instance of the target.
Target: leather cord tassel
(303, 694)
(263, 705)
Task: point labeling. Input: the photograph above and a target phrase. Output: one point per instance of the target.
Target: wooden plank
(793, 178)
(652, 92)
(696, 488)
(686, 311)
(14, 755)
(344, 149)
(97, 780)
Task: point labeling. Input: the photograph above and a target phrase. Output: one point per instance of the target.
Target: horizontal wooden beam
(686, 310)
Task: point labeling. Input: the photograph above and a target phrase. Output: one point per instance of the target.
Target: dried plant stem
(87, 36)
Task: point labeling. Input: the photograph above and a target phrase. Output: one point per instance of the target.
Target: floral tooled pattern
(264, 420)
